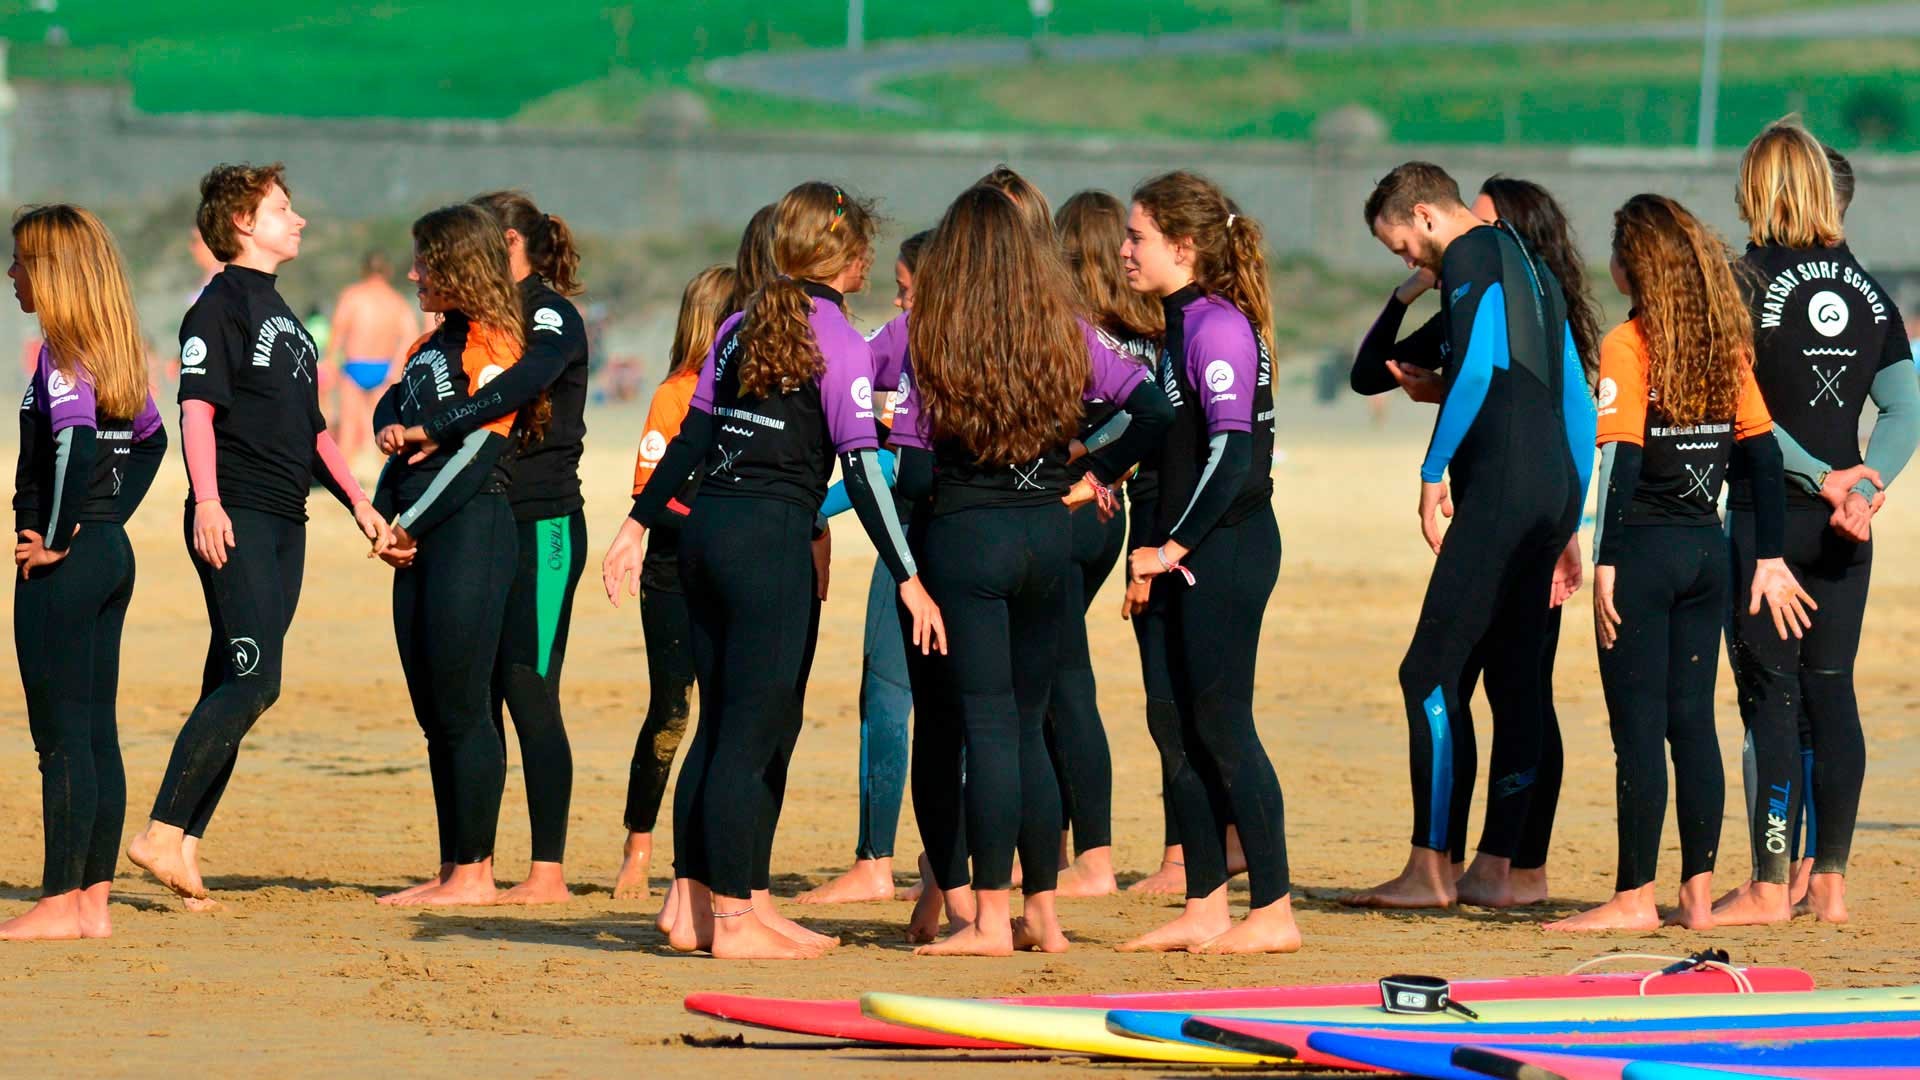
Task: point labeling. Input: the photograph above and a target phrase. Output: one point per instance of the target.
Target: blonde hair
(704, 305)
(819, 230)
(1785, 193)
(84, 303)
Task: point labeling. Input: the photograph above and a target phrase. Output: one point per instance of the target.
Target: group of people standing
(1060, 394)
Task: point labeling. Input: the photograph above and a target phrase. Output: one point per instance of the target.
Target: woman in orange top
(454, 540)
(1677, 405)
(707, 301)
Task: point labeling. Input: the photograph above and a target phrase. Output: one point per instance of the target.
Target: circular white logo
(246, 655)
(58, 383)
(863, 392)
(905, 391)
(1828, 313)
(653, 446)
(547, 319)
(1219, 376)
(487, 375)
(1607, 391)
(193, 352)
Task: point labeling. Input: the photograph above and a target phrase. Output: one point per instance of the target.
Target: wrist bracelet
(1165, 564)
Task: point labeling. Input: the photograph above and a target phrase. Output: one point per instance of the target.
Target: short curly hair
(231, 191)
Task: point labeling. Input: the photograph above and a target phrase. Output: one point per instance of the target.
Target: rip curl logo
(546, 320)
(904, 392)
(245, 654)
(653, 446)
(487, 375)
(1828, 313)
(58, 384)
(1219, 376)
(1108, 340)
(1606, 394)
(863, 393)
(193, 357)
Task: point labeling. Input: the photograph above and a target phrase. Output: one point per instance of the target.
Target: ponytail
(1229, 251)
(550, 247)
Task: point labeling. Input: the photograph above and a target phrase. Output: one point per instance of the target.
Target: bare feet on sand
(631, 882)
(1201, 922)
(1091, 874)
(737, 934)
(158, 851)
(1635, 910)
(400, 898)
(1425, 882)
(1270, 929)
(51, 918)
(1827, 897)
(546, 884)
(1038, 927)
(1756, 903)
(768, 912)
(1169, 880)
(1492, 882)
(470, 885)
(870, 879)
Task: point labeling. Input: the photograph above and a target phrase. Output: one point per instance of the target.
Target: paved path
(837, 77)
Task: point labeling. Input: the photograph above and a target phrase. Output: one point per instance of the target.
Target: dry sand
(302, 973)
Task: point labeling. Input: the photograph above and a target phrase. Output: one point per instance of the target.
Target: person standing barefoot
(90, 444)
(255, 441)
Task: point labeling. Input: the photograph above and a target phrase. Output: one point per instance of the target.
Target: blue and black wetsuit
(1426, 347)
(1515, 435)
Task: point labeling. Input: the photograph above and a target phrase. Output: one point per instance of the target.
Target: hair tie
(839, 208)
(1231, 218)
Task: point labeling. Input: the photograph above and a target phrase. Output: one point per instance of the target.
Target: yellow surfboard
(1084, 1031)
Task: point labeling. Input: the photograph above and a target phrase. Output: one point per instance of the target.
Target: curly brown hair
(1229, 253)
(1092, 226)
(997, 346)
(233, 191)
(819, 231)
(1699, 332)
(464, 252)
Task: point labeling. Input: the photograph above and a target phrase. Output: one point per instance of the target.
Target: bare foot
(1038, 927)
(51, 918)
(768, 912)
(1236, 855)
(399, 899)
(1529, 886)
(911, 893)
(1425, 882)
(200, 906)
(693, 922)
(1695, 911)
(546, 884)
(971, 940)
(1802, 873)
(1626, 911)
(631, 883)
(1090, 875)
(94, 919)
(157, 851)
(741, 936)
(1169, 880)
(470, 885)
(1270, 929)
(1827, 897)
(1202, 921)
(869, 880)
(671, 905)
(1756, 903)
(1487, 883)
(924, 926)
(190, 851)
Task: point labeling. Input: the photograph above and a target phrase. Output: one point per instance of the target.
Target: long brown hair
(1030, 200)
(1786, 191)
(1092, 226)
(704, 305)
(1698, 330)
(753, 264)
(464, 251)
(1536, 216)
(998, 352)
(550, 247)
(1229, 258)
(84, 303)
(819, 230)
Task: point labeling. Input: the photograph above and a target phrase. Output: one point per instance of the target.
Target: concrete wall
(86, 144)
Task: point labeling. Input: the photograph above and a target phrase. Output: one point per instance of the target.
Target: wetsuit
(1515, 434)
(1426, 347)
(1659, 527)
(1215, 498)
(747, 568)
(552, 542)
(449, 604)
(1827, 338)
(80, 476)
(997, 543)
(663, 619)
(247, 358)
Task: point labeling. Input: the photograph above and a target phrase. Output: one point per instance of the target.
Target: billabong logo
(1828, 313)
(487, 375)
(863, 392)
(58, 383)
(547, 319)
(245, 654)
(192, 355)
(1607, 392)
(1219, 376)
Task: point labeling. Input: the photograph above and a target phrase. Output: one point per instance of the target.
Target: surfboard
(1446, 1061)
